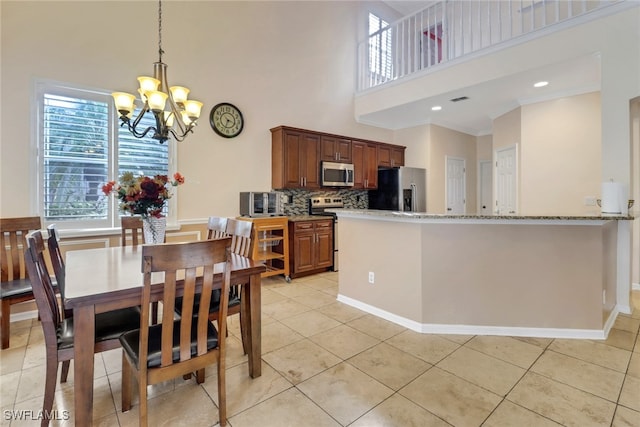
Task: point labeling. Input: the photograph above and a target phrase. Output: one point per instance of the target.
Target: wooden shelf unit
(271, 244)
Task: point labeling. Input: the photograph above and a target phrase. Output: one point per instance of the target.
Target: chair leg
(51, 377)
(65, 371)
(126, 384)
(142, 392)
(244, 333)
(222, 391)
(5, 319)
(200, 376)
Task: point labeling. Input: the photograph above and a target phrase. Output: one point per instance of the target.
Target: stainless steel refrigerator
(400, 189)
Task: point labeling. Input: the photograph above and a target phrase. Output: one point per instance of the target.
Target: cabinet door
(303, 252)
(324, 244)
(397, 156)
(390, 155)
(359, 173)
(310, 162)
(293, 141)
(384, 155)
(335, 149)
(371, 166)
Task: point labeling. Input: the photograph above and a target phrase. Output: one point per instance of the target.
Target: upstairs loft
(486, 54)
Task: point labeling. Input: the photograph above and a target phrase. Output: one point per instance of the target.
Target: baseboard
(635, 286)
(431, 328)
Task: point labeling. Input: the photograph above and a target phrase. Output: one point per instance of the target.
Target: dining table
(105, 279)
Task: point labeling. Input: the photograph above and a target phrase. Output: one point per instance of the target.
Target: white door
(486, 187)
(455, 180)
(506, 181)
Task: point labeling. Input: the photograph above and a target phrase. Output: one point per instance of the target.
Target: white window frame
(112, 221)
(382, 57)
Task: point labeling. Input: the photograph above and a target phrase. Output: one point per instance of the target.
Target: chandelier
(176, 120)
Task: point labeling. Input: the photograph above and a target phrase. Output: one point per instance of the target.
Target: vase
(154, 229)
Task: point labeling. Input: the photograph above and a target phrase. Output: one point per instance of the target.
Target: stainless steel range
(318, 206)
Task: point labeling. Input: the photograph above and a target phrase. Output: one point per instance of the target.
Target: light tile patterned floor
(328, 364)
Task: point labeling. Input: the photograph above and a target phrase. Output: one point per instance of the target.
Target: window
(80, 147)
(380, 55)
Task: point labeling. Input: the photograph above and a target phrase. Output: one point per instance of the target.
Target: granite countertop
(428, 216)
(297, 218)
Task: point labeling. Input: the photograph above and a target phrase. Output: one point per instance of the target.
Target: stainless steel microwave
(337, 174)
(255, 203)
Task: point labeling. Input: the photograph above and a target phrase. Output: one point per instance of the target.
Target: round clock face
(226, 120)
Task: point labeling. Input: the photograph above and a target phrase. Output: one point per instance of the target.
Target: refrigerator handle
(414, 194)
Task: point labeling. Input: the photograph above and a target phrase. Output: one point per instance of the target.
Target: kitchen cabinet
(294, 158)
(390, 155)
(296, 155)
(271, 244)
(365, 164)
(311, 243)
(335, 149)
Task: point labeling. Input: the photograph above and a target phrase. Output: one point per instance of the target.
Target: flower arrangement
(143, 195)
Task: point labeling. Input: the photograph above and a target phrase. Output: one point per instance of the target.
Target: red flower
(178, 178)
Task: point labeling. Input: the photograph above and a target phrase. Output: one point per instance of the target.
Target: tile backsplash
(299, 205)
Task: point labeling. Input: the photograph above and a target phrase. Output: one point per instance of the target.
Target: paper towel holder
(630, 203)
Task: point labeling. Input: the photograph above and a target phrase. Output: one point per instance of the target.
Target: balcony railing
(452, 29)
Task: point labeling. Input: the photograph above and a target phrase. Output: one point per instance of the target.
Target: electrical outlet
(372, 277)
(589, 201)
(604, 296)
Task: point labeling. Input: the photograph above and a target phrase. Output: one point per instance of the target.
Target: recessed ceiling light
(540, 84)
(436, 108)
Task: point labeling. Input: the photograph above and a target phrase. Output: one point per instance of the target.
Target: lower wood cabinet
(310, 246)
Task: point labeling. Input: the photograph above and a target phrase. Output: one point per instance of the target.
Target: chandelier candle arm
(175, 115)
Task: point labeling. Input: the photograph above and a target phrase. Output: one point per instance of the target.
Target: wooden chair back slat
(13, 232)
(132, 225)
(241, 234)
(217, 227)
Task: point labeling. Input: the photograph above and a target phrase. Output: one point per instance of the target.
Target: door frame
(516, 186)
(491, 203)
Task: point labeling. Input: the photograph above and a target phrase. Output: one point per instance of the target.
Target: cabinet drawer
(304, 226)
(328, 224)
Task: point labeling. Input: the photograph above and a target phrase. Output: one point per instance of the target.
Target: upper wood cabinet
(365, 165)
(294, 158)
(390, 155)
(335, 149)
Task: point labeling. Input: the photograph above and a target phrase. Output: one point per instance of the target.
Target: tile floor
(327, 364)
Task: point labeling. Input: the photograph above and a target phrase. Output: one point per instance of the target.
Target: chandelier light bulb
(168, 118)
(179, 94)
(193, 108)
(156, 100)
(124, 102)
(148, 84)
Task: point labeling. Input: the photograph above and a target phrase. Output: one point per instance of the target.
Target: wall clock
(226, 120)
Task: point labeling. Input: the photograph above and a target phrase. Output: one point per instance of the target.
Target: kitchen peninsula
(545, 276)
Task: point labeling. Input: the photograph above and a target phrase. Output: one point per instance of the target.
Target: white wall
(290, 63)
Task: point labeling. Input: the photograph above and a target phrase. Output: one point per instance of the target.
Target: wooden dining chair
(217, 227)
(131, 225)
(173, 348)
(240, 232)
(58, 331)
(14, 280)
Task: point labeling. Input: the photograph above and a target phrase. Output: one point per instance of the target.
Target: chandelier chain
(160, 51)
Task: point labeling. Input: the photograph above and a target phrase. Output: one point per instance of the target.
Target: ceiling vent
(460, 98)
